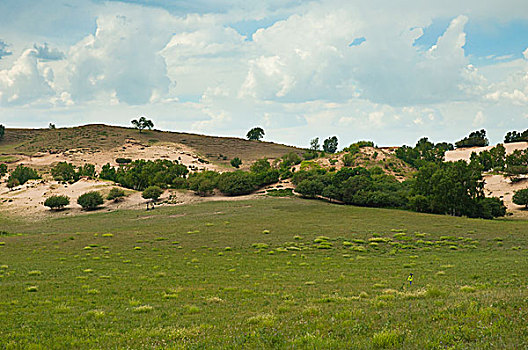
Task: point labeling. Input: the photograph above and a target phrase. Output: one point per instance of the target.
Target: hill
(99, 138)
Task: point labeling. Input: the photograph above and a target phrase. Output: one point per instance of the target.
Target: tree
(255, 134)
(51, 126)
(236, 162)
(153, 193)
(90, 200)
(3, 169)
(142, 123)
(2, 132)
(57, 202)
(330, 144)
(521, 197)
(115, 194)
(314, 144)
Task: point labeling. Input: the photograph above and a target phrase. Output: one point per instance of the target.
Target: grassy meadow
(267, 273)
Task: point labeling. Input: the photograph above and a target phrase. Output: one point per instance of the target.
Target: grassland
(268, 273)
(104, 137)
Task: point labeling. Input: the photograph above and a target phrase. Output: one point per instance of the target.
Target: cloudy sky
(383, 70)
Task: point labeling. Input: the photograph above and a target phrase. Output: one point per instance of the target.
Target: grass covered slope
(105, 137)
(267, 273)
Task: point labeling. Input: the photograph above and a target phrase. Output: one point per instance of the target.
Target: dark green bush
(90, 200)
(3, 169)
(236, 162)
(57, 202)
(152, 192)
(521, 197)
(123, 160)
(204, 183)
(236, 183)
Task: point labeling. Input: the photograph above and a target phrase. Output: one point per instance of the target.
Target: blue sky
(382, 70)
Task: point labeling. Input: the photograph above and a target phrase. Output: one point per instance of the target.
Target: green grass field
(268, 273)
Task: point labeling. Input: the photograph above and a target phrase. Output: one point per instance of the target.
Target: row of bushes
(141, 174)
(92, 200)
(442, 188)
(236, 183)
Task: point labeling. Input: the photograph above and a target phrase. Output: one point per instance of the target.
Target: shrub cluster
(21, 175)
(358, 186)
(141, 174)
(514, 136)
(234, 183)
(475, 139)
(424, 152)
(57, 202)
(90, 200)
(64, 171)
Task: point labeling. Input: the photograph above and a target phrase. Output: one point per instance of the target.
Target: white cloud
(25, 81)
(122, 58)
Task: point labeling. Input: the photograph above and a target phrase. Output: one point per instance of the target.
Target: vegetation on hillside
(475, 139)
(514, 136)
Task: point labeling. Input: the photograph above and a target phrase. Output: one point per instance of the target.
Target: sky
(381, 70)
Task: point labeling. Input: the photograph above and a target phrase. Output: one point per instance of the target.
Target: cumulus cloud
(122, 58)
(25, 81)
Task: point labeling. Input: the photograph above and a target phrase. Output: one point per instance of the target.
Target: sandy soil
(28, 200)
(131, 149)
(465, 153)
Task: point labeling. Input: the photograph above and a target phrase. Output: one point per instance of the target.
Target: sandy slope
(465, 153)
(131, 149)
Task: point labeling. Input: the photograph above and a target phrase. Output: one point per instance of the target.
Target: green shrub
(204, 183)
(3, 169)
(236, 162)
(236, 183)
(123, 160)
(90, 200)
(115, 194)
(152, 192)
(521, 197)
(57, 202)
(64, 171)
(87, 170)
(23, 174)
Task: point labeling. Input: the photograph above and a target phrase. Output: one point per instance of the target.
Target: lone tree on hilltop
(330, 144)
(255, 134)
(521, 197)
(142, 123)
(2, 132)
